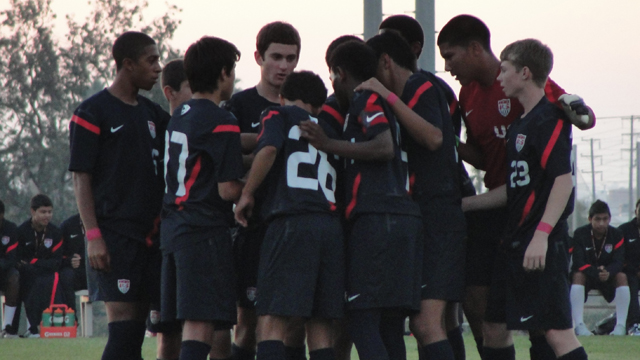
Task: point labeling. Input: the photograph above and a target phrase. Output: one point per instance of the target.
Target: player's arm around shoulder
(580, 115)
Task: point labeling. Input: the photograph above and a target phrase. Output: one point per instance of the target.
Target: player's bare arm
(471, 155)
(96, 249)
(262, 164)
(490, 200)
(418, 128)
(230, 190)
(534, 257)
(248, 141)
(380, 148)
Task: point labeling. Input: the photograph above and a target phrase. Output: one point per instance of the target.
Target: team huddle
(294, 218)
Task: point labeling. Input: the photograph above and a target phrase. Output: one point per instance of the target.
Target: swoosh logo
(424, 286)
(632, 240)
(369, 119)
(74, 235)
(589, 248)
(468, 112)
(114, 129)
(351, 298)
(254, 125)
(523, 319)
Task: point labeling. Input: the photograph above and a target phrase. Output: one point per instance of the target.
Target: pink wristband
(392, 98)
(93, 234)
(544, 227)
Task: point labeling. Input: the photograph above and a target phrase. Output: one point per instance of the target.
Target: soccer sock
(271, 350)
(622, 299)
(364, 329)
(540, 348)
(507, 353)
(240, 353)
(125, 340)
(576, 354)
(392, 334)
(295, 353)
(438, 350)
(577, 303)
(9, 311)
(479, 344)
(322, 354)
(457, 343)
(194, 350)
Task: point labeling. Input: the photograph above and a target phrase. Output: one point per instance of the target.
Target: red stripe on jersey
(571, 250)
(55, 248)
(269, 115)
(551, 144)
(332, 206)
(192, 179)
(370, 102)
(85, 124)
(226, 128)
(12, 247)
(412, 180)
(414, 100)
(619, 244)
(453, 106)
(33, 261)
(584, 267)
(527, 207)
(334, 113)
(156, 225)
(354, 194)
(55, 287)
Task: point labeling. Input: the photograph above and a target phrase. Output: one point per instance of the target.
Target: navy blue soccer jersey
(302, 178)
(246, 106)
(202, 149)
(538, 151)
(332, 114)
(8, 244)
(375, 186)
(41, 251)
(435, 174)
(121, 146)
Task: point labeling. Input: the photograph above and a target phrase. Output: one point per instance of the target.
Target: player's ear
(168, 92)
(128, 63)
(386, 61)
(258, 57)
(475, 48)
(525, 73)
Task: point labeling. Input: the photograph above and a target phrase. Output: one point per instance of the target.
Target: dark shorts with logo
(531, 300)
(443, 266)
(134, 275)
(246, 253)
(302, 267)
(484, 231)
(198, 281)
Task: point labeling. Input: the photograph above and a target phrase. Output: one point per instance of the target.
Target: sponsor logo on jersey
(608, 248)
(154, 316)
(504, 106)
(466, 114)
(73, 235)
(370, 118)
(124, 285)
(520, 141)
(5, 240)
(630, 240)
(48, 243)
(523, 319)
(351, 298)
(114, 129)
(251, 293)
(255, 125)
(185, 109)
(152, 128)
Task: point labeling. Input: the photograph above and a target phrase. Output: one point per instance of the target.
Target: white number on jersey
(181, 139)
(520, 173)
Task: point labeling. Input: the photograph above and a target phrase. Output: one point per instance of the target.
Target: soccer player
(598, 260)
(530, 286)
(277, 53)
(9, 276)
(631, 232)
(117, 142)
(384, 254)
(40, 253)
(464, 44)
(175, 85)
(302, 260)
(203, 161)
(423, 111)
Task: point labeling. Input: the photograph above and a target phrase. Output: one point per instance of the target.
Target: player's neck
(402, 76)
(214, 96)
(490, 66)
(529, 97)
(268, 91)
(299, 103)
(37, 227)
(123, 89)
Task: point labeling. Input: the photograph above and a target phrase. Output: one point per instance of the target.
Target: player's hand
(575, 109)
(75, 261)
(244, 209)
(314, 134)
(535, 256)
(604, 275)
(99, 258)
(374, 85)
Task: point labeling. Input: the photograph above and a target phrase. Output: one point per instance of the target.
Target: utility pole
(631, 134)
(574, 177)
(372, 17)
(426, 16)
(593, 168)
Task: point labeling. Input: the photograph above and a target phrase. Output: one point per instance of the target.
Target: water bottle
(57, 317)
(46, 317)
(70, 318)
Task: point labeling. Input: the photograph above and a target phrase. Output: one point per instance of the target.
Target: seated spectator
(9, 276)
(632, 269)
(598, 258)
(40, 255)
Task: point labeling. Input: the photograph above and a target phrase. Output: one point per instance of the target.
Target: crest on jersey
(608, 248)
(48, 243)
(251, 293)
(152, 128)
(504, 106)
(185, 109)
(123, 285)
(520, 141)
(154, 316)
(5, 240)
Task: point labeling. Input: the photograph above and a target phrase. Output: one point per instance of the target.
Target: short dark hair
(173, 74)
(462, 30)
(39, 201)
(357, 59)
(305, 86)
(278, 32)
(599, 207)
(532, 54)
(205, 60)
(394, 45)
(408, 27)
(337, 42)
(130, 45)
(1, 207)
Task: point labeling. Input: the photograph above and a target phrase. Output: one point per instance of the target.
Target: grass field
(598, 348)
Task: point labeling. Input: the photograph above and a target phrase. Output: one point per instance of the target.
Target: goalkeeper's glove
(575, 109)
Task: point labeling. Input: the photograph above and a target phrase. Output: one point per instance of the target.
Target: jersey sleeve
(618, 254)
(332, 115)
(424, 99)
(553, 142)
(273, 129)
(226, 151)
(373, 118)
(553, 91)
(580, 261)
(84, 135)
(10, 256)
